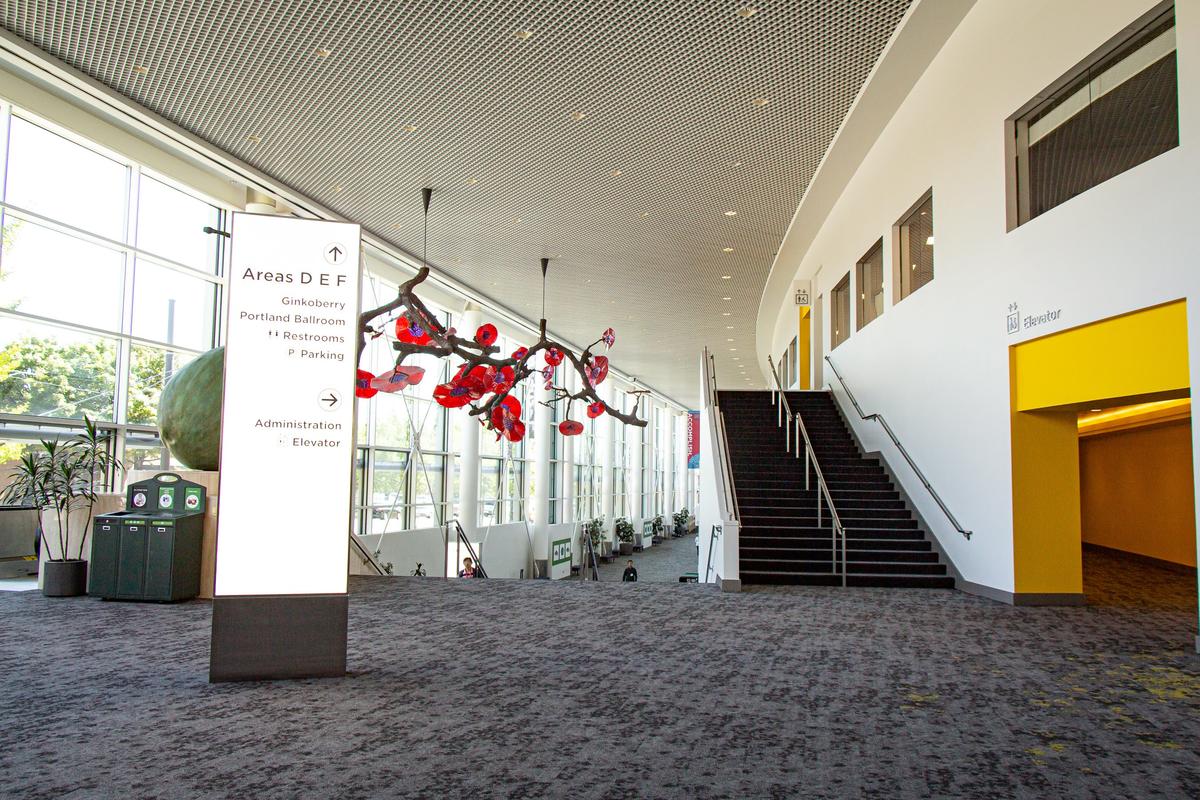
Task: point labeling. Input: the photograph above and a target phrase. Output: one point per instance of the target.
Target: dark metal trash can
(150, 551)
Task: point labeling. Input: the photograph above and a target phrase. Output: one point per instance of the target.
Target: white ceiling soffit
(611, 137)
(921, 36)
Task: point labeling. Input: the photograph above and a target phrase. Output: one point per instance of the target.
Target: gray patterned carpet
(597, 690)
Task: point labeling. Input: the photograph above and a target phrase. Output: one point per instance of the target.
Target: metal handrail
(716, 531)
(722, 438)
(462, 537)
(896, 441)
(366, 557)
(837, 529)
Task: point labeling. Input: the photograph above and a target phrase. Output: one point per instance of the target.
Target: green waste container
(150, 551)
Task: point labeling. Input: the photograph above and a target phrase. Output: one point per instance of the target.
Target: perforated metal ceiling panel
(612, 137)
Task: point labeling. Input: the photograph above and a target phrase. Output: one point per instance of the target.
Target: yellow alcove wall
(805, 347)
(1140, 355)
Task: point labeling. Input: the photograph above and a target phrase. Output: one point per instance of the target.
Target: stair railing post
(833, 546)
(787, 438)
(818, 506)
(806, 486)
(843, 558)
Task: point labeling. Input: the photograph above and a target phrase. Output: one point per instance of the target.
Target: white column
(670, 505)
(468, 460)
(635, 466)
(606, 432)
(568, 450)
(540, 509)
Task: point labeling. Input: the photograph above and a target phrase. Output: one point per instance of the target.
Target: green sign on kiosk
(150, 551)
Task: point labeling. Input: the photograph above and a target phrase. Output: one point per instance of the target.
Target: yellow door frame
(1134, 357)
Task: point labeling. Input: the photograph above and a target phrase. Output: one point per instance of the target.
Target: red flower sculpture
(499, 380)
(506, 420)
(362, 384)
(485, 378)
(597, 370)
(411, 333)
(469, 383)
(486, 335)
(396, 379)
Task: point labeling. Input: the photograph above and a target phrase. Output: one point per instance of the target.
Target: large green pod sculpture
(189, 411)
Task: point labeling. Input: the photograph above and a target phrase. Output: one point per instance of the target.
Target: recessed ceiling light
(254, 138)
(726, 249)
(733, 349)
(737, 163)
(725, 313)
(323, 52)
(517, 219)
(578, 115)
(471, 181)
(728, 327)
(616, 173)
(929, 241)
(726, 298)
(731, 213)
(140, 70)
(746, 12)
(729, 340)
(726, 277)
(1094, 410)
(760, 101)
(339, 189)
(522, 35)
(408, 128)
(645, 214)
(397, 226)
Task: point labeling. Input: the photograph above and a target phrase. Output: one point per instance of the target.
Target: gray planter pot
(64, 578)
(626, 548)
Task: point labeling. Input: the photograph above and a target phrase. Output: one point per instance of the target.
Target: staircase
(781, 541)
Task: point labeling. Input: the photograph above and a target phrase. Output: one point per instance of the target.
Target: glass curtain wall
(503, 467)
(403, 442)
(108, 286)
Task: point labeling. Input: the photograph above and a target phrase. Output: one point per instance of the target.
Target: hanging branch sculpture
(485, 379)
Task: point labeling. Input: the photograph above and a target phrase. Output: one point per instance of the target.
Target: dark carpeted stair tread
(781, 540)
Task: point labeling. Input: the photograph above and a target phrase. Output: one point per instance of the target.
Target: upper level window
(870, 285)
(1114, 111)
(914, 248)
(839, 312)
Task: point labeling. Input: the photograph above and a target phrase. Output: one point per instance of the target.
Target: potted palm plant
(657, 530)
(60, 478)
(681, 518)
(624, 530)
(595, 529)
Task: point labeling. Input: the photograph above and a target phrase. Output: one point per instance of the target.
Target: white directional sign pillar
(287, 448)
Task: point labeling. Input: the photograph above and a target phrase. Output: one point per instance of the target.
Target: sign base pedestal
(273, 637)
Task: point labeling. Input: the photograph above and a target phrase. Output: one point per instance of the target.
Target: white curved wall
(936, 363)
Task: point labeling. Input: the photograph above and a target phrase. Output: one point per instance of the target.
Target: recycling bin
(151, 550)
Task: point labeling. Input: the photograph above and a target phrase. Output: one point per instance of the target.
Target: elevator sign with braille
(287, 429)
